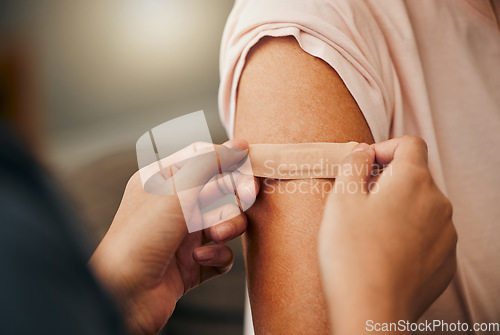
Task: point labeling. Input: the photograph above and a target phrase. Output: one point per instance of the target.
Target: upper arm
(288, 96)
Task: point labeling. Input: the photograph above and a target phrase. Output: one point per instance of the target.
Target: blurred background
(83, 80)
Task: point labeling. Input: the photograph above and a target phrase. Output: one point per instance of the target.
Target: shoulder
(348, 35)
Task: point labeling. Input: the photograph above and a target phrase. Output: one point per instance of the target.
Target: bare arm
(288, 96)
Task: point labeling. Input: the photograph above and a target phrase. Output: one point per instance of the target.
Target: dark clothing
(46, 286)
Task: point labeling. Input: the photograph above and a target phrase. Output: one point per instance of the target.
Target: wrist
(357, 311)
(110, 278)
(107, 277)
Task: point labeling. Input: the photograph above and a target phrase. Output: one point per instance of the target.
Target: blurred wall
(111, 70)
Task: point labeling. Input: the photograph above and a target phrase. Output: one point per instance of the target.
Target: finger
(194, 175)
(158, 184)
(246, 187)
(156, 176)
(409, 148)
(236, 144)
(194, 172)
(198, 170)
(226, 158)
(169, 166)
(355, 170)
(179, 158)
(232, 224)
(184, 154)
(173, 163)
(214, 259)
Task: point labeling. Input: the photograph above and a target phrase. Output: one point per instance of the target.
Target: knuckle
(420, 174)
(450, 262)
(447, 207)
(455, 236)
(453, 266)
(452, 232)
(134, 179)
(415, 140)
(425, 177)
(451, 238)
(135, 176)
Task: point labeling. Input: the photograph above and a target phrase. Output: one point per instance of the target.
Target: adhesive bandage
(298, 161)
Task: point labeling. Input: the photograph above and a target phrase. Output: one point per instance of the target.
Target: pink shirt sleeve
(343, 34)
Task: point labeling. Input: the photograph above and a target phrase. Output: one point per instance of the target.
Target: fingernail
(228, 144)
(363, 147)
(204, 255)
(224, 232)
(250, 191)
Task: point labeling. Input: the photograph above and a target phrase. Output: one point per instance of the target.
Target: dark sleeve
(46, 286)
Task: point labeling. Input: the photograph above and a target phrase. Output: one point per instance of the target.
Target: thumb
(355, 170)
(196, 173)
(198, 170)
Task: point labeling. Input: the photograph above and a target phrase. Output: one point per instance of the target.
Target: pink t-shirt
(424, 67)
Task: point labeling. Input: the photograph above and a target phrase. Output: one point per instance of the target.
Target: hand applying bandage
(387, 243)
(147, 259)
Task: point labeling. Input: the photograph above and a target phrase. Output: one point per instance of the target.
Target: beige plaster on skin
(298, 161)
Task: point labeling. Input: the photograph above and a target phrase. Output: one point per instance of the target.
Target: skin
(389, 250)
(287, 96)
(148, 260)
